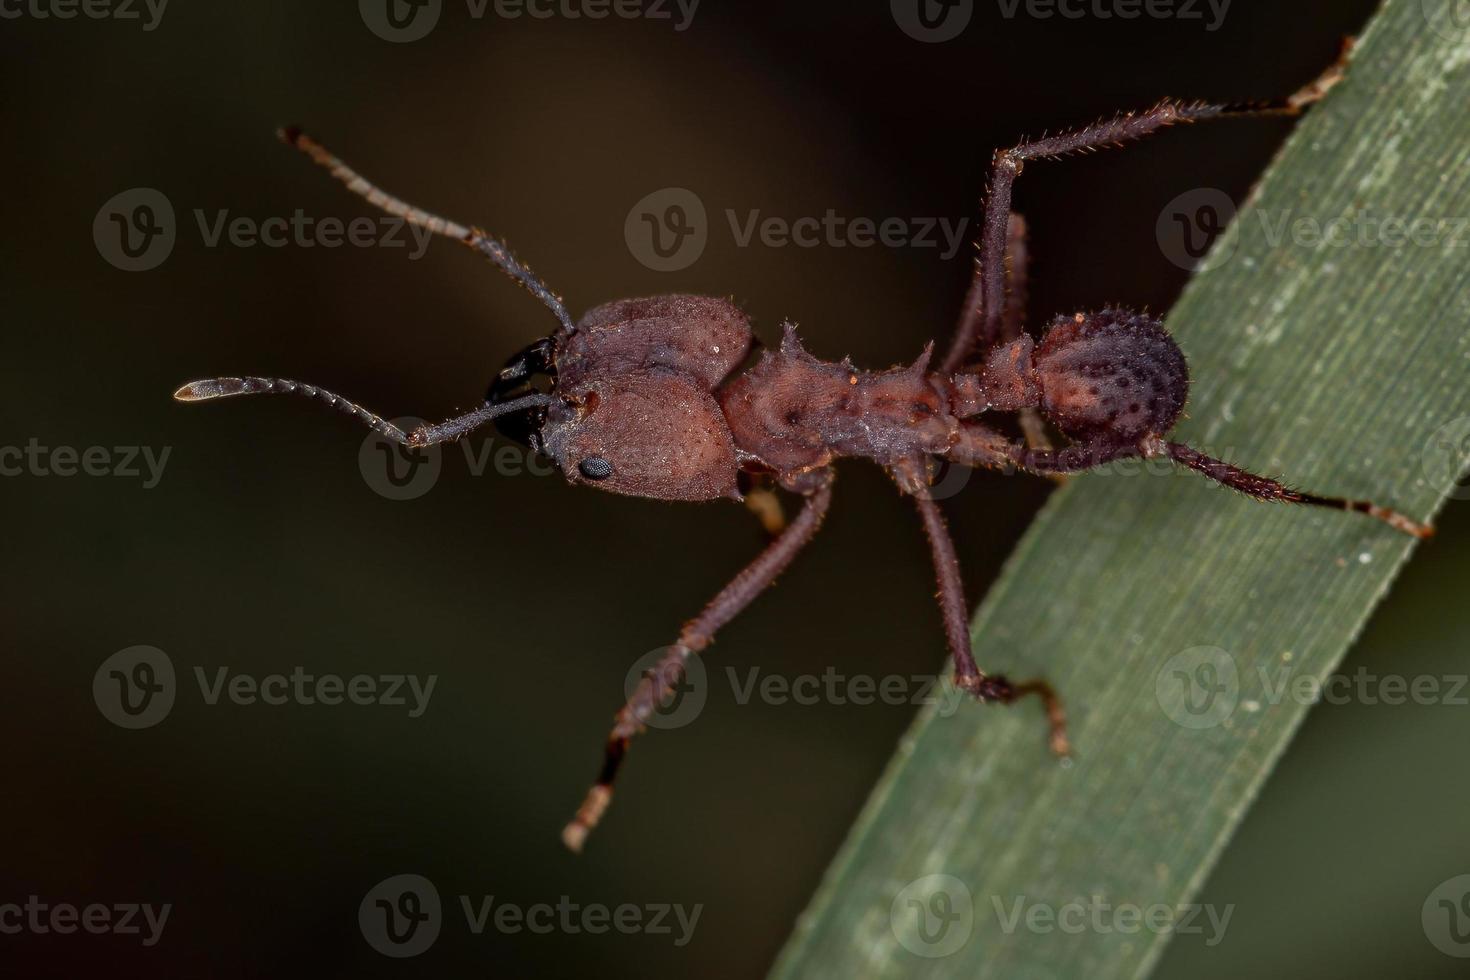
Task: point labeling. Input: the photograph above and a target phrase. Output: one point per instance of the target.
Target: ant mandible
(644, 400)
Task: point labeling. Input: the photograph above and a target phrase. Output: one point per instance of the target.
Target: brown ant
(644, 400)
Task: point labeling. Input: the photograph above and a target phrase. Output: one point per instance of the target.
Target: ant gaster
(644, 400)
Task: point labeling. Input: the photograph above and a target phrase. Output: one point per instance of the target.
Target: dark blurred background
(263, 547)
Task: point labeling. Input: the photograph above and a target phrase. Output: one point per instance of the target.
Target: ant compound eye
(595, 468)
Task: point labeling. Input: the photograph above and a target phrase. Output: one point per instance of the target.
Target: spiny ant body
(646, 397)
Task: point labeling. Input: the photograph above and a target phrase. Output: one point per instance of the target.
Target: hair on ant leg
(645, 397)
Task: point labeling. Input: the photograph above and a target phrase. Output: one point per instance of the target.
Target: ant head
(1113, 375)
(643, 433)
(634, 412)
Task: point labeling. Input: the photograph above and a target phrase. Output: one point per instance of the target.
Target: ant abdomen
(1114, 375)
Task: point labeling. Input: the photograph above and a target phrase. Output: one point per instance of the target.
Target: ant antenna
(476, 239)
(425, 435)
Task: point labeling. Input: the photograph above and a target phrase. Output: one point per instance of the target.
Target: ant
(645, 398)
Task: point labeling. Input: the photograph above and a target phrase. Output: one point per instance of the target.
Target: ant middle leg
(663, 678)
(911, 478)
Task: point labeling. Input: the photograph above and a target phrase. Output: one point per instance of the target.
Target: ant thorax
(792, 413)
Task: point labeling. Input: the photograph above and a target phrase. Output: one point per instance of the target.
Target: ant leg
(1082, 457)
(968, 676)
(476, 239)
(661, 680)
(424, 435)
(912, 477)
(979, 445)
(1008, 165)
(1012, 323)
(1264, 488)
(972, 315)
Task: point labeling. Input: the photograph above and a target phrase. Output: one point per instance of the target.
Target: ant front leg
(663, 678)
(1008, 164)
(911, 476)
(969, 333)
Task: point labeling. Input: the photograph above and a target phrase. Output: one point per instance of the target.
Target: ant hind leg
(1265, 488)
